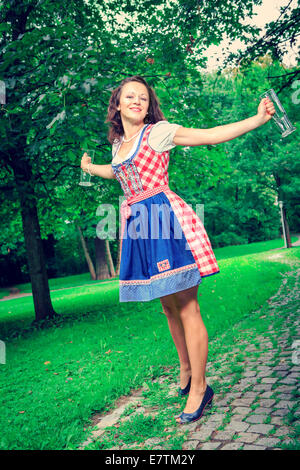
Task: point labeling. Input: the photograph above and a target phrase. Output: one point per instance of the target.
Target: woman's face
(134, 102)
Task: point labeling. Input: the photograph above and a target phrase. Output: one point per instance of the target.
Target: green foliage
(279, 35)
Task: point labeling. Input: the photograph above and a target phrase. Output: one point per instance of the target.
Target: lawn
(55, 378)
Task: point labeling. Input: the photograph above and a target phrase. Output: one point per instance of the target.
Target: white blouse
(160, 139)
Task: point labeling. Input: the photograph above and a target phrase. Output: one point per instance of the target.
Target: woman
(153, 265)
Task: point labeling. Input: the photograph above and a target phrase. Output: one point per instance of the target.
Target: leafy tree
(279, 35)
(46, 59)
(265, 167)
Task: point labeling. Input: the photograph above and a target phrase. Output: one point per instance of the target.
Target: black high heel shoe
(185, 390)
(191, 417)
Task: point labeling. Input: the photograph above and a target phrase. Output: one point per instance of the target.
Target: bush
(228, 238)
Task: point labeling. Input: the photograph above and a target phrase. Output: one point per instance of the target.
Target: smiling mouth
(135, 109)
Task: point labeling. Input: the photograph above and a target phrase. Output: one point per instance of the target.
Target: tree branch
(295, 72)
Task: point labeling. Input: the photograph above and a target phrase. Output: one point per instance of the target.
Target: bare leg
(196, 342)
(170, 309)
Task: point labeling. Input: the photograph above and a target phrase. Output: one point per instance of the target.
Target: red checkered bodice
(145, 169)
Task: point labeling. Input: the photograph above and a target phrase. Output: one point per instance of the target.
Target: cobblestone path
(256, 379)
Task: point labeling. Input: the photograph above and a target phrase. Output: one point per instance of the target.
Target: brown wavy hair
(113, 115)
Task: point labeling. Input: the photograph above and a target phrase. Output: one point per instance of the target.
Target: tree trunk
(119, 259)
(102, 271)
(280, 197)
(49, 251)
(287, 229)
(33, 242)
(86, 254)
(109, 258)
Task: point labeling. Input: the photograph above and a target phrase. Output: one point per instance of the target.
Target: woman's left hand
(85, 160)
(265, 110)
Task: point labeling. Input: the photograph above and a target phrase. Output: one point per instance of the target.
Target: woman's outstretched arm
(216, 135)
(104, 171)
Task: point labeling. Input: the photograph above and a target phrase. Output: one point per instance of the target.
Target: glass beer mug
(85, 177)
(280, 117)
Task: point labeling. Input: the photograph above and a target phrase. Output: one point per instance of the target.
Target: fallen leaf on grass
(21, 412)
(47, 362)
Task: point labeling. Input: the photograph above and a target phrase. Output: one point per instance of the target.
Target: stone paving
(256, 408)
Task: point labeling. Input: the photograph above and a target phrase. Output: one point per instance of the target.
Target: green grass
(77, 280)
(17, 314)
(55, 378)
(258, 247)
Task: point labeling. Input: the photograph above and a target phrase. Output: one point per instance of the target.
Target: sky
(268, 11)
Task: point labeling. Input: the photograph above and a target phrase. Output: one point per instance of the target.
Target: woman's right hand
(84, 161)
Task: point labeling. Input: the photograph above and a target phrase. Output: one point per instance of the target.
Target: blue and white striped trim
(159, 286)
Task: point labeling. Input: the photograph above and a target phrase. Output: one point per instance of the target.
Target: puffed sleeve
(161, 136)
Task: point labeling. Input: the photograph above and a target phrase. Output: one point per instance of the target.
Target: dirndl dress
(164, 245)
